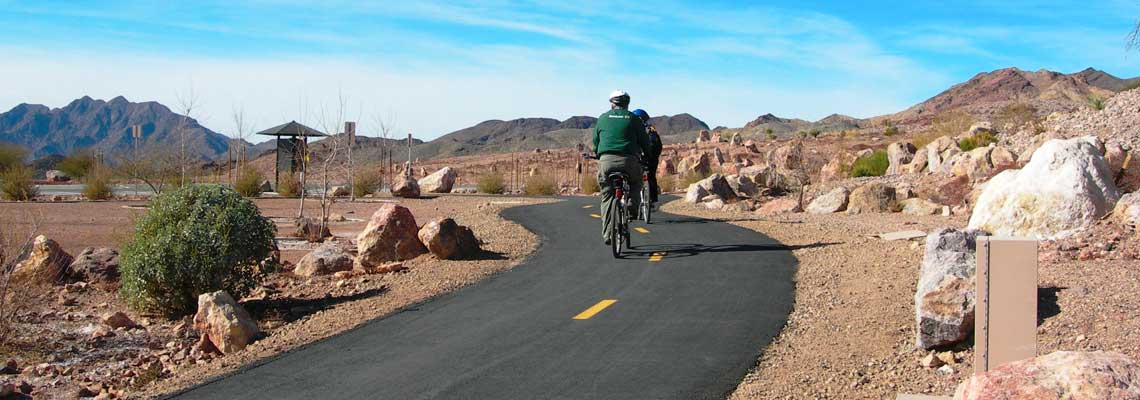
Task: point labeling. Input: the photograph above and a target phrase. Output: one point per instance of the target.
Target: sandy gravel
(851, 334)
(291, 310)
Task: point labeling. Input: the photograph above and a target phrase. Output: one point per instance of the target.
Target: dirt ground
(851, 334)
(63, 350)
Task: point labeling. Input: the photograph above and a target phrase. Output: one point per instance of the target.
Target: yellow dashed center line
(595, 215)
(597, 308)
(657, 257)
(588, 206)
(640, 229)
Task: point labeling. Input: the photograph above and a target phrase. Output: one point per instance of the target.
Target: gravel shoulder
(292, 311)
(851, 332)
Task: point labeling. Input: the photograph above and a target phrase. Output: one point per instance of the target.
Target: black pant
(653, 189)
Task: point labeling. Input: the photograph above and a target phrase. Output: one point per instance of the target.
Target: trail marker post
(1006, 306)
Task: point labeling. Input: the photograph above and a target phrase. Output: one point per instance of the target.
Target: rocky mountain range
(105, 126)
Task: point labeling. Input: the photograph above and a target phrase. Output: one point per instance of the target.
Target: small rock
(931, 361)
(11, 367)
(118, 320)
(946, 369)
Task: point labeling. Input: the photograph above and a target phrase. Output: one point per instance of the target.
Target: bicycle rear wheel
(615, 227)
(645, 211)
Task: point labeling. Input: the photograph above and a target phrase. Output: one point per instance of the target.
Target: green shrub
(367, 181)
(248, 182)
(288, 186)
(692, 178)
(771, 135)
(11, 156)
(891, 131)
(540, 185)
(590, 184)
(1096, 101)
(491, 183)
(97, 185)
(197, 239)
(980, 139)
(16, 183)
(78, 164)
(872, 165)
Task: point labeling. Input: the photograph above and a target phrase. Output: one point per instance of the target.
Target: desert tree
(188, 105)
(331, 119)
(16, 239)
(157, 169)
(385, 125)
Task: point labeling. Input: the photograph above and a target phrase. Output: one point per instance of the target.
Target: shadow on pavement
(691, 249)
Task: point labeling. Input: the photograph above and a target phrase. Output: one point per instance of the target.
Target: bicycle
(619, 230)
(645, 203)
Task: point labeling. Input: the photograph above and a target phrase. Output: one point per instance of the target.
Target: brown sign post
(1006, 307)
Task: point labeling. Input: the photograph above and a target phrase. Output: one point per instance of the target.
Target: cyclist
(652, 157)
(619, 141)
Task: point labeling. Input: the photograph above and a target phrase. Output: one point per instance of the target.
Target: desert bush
(491, 183)
(872, 165)
(1015, 116)
(691, 178)
(1096, 101)
(288, 186)
(78, 164)
(768, 132)
(921, 140)
(197, 239)
(97, 185)
(951, 123)
(16, 183)
(248, 182)
(367, 181)
(980, 139)
(667, 183)
(540, 185)
(590, 184)
(11, 156)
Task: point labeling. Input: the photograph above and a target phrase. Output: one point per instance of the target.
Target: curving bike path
(683, 316)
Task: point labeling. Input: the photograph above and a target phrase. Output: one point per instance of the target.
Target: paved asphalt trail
(688, 326)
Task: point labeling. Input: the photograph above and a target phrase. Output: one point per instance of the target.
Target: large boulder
(917, 164)
(696, 164)
(944, 299)
(1124, 166)
(95, 265)
(448, 240)
(695, 193)
(833, 201)
(1002, 159)
(751, 147)
(718, 156)
(718, 185)
(439, 181)
(1074, 375)
(787, 157)
(973, 164)
(918, 206)
(871, 198)
(741, 185)
(1064, 188)
(42, 262)
(779, 205)
(327, 259)
(935, 150)
(1127, 209)
(836, 169)
(391, 235)
(406, 187)
(899, 154)
(55, 175)
(223, 323)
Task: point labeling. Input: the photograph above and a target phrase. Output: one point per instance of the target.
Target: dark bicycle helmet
(641, 114)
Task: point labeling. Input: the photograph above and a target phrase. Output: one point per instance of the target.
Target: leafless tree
(331, 119)
(385, 125)
(188, 104)
(1132, 41)
(156, 169)
(13, 243)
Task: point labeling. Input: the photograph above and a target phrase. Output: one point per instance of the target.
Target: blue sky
(434, 67)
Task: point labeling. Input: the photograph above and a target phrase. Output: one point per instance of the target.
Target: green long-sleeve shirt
(618, 131)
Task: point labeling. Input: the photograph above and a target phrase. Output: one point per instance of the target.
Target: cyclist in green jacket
(619, 141)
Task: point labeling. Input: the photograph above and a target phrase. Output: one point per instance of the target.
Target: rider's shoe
(606, 241)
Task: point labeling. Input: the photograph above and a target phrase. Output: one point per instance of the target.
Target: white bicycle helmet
(619, 97)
